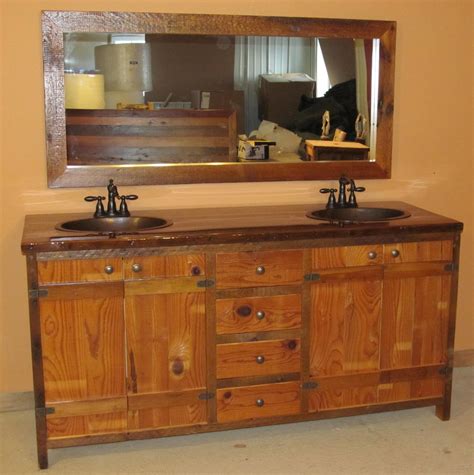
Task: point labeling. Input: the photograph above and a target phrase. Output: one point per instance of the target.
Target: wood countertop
(230, 225)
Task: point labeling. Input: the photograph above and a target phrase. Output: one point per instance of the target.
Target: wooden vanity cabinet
(164, 341)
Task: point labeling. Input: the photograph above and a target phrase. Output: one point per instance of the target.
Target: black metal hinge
(37, 293)
(445, 371)
(206, 396)
(451, 267)
(312, 277)
(205, 283)
(309, 385)
(43, 411)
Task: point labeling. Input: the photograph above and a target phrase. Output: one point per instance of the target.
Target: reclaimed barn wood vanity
(237, 317)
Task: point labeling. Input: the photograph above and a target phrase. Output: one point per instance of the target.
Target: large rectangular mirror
(163, 98)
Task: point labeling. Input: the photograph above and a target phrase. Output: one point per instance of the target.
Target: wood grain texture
(54, 24)
(181, 265)
(342, 398)
(240, 359)
(90, 270)
(86, 425)
(239, 269)
(83, 360)
(151, 136)
(163, 286)
(234, 404)
(418, 251)
(166, 347)
(88, 407)
(345, 327)
(346, 256)
(240, 315)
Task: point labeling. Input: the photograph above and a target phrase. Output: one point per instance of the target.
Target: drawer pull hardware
(260, 359)
(312, 277)
(395, 253)
(244, 311)
(260, 314)
(37, 293)
(205, 396)
(205, 283)
(260, 270)
(260, 402)
(136, 267)
(372, 255)
(195, 270)
(292, 344)
(109, 269)
(309, 385)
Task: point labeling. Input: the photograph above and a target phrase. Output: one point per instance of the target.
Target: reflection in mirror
(155, 98)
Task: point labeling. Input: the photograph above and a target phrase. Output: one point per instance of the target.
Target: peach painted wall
(432, 153)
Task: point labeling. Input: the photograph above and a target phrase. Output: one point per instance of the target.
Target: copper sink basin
(115, 225)
(357, 215)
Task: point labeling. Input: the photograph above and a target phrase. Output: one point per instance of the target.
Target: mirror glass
(280, 91)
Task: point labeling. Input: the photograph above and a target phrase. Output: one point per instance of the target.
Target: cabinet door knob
(395, 252)
(136, 267)
(260, 402)
(109, 269)
(260, 315)
(260, 270)
(244, 311)
(260, 359)
(372, 255)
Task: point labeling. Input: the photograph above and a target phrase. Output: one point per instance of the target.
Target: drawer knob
(395, 252)
(136, 267)
(195, 270)
(372, 255)
(260, 315)
(260, 270)
(244, 311)
(109, 269)
(260, 402)
(260, 359)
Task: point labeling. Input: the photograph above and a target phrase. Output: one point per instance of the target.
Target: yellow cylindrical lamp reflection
(84, 91)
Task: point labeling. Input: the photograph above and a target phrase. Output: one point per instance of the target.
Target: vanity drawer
(259, 268)
(346, 256)
(79, 270)
(258, 358)
(254, 314)
(263, 400)
(149, 267)
(427, 251)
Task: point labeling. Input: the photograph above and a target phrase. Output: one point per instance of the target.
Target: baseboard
(24, 401)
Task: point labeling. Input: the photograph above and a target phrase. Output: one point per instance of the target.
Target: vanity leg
(443, 411)
(41, 442)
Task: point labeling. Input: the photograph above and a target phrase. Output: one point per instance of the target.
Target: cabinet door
(82, 337)
(166, 347)
(346, 305)
(416, 314)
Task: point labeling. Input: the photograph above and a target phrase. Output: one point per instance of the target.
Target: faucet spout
(342, 198)
(112, 193)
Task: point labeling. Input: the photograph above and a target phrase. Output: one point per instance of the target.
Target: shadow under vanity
(237, 317)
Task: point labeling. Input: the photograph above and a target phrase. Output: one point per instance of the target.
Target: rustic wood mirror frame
(60, 174)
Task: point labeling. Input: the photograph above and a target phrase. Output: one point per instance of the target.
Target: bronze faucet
(342, 201)
(111, 204)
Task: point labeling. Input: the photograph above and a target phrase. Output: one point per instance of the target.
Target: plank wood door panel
(418, 251)
(345, 327)
(83, 360)
(415, 329)
(166, 346)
